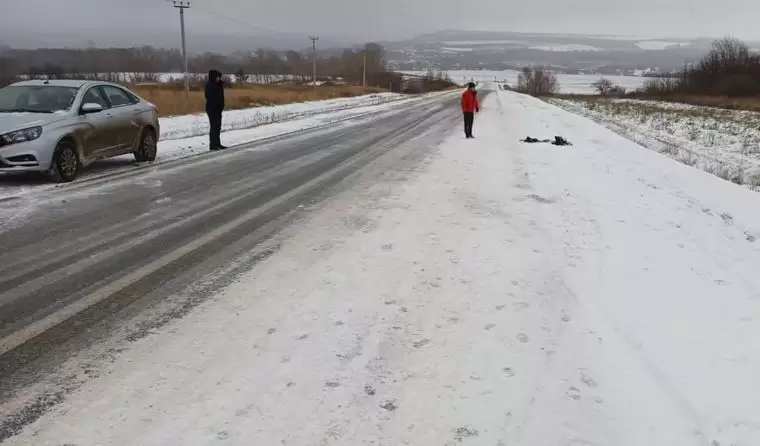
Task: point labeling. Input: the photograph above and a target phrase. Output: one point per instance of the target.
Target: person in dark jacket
(214, 108)
(470, 106)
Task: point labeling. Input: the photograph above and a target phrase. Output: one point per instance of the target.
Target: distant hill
(445, 50)
(462, 49)
(543, 40)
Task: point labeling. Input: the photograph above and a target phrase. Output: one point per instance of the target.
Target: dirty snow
(723, 142)
(498, 294)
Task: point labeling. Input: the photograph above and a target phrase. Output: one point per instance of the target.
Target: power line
(234, 20)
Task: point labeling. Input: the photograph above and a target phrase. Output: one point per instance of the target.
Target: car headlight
(19, 136)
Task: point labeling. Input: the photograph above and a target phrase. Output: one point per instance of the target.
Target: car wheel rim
(68, 162)
(149, 145)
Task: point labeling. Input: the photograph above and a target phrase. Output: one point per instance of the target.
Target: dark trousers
(469, 119)
(215, 128)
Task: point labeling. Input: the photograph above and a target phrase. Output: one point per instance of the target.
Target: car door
(98, 135)
(124, 112)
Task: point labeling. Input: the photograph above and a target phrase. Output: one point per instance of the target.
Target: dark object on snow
(558, 141)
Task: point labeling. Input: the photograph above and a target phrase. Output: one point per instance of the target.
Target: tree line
(729, 69)
(260, 66)
(263, 66)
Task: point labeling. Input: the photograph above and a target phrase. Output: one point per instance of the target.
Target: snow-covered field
(659, 45)
(456, 45)
(723, 142)
(499, 293)
(569, 83)
(566, 47)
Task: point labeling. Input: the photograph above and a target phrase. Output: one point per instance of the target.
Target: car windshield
(36, 98)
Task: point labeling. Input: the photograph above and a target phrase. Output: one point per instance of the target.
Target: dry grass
(724, 142)
(724, 102)
(747, 103)
(170, 99)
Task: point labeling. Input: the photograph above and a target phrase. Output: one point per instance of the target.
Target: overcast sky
(390, 19)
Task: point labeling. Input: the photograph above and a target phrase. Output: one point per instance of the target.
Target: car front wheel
(66, 164)
(147, 149)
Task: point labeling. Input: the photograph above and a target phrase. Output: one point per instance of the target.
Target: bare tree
(730, 68)
(730, 51)
(537, 82)
(603, 86)
(606, 87)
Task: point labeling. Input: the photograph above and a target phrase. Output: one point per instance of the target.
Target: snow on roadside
(723, 142)
(673, 273)
(499, 294)
(187, 126)
(250, 125)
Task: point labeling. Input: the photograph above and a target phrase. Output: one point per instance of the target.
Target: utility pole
(314, 59)
(364, 70)
(182, 5)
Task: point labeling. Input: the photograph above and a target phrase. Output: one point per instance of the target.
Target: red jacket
(470, 101)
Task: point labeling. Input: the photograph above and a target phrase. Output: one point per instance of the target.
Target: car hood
(10, 122)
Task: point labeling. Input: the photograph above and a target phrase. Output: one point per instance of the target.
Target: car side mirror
(91, 107)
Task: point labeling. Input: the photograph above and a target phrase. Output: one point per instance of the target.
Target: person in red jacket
(470, 106)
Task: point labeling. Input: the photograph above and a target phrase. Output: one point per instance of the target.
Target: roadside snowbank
(499, 294)
(180, 127)
(250, 125)
(723, 142)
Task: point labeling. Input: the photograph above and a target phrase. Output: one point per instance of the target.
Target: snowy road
(103, 247)
(187, 136)
(481, 292)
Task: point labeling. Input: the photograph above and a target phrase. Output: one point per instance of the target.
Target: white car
(60, 126)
